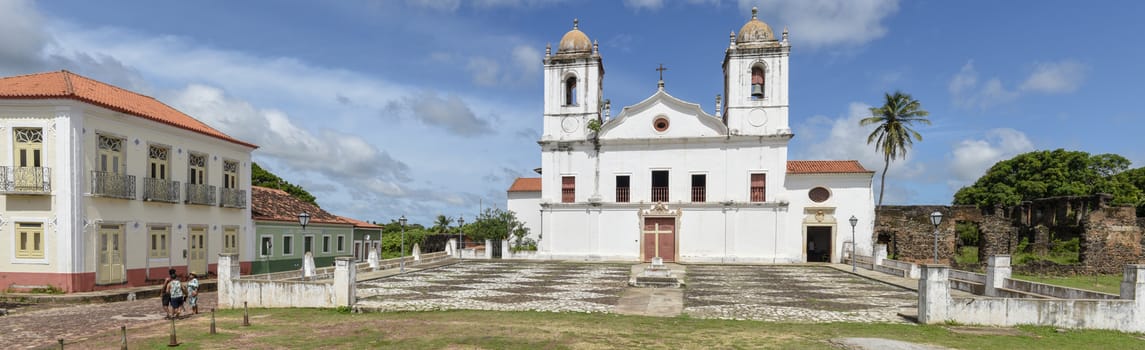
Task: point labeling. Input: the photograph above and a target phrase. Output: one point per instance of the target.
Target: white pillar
(345, 284)
(934, 294)
(308, 265)
(228, 270)
(373, 259)
(880, 253)
(504, 248)
(449, 248)
(997, 271)
(488, 248)
(416, 252)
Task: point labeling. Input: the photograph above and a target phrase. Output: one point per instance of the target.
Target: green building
(282, 242)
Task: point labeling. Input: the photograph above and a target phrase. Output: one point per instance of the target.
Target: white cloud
(486, 72)
(823, 23)
(644, 4)
(449, 113)
(22, 36)
(1055, 77)
(524, 68)
(970, 158)
(1046, 78)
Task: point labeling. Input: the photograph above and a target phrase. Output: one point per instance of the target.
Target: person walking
(178, 292)
(165, 296)
(193, 293)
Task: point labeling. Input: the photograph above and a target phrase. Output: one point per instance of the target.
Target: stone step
(657, 282)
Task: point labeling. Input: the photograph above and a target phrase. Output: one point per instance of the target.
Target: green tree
(441, 224)
(495, 223)
(1135, 177)
(261, 177)
(893, 133)
(1042, 174)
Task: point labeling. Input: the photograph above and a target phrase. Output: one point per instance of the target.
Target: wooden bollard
(61, 343)
(174, 342)
(246, 317)
(212, 320)
(123, 345)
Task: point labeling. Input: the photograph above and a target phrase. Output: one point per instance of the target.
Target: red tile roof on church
(825, 167)
(526, 184)
(269, 204)
(65, 84)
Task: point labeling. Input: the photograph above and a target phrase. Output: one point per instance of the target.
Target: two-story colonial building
(664, 178)
(101, 187)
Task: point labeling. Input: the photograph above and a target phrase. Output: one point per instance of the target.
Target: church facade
(666, 179)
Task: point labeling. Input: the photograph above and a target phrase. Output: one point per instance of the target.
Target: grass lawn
(317, 328)
(1100, 283)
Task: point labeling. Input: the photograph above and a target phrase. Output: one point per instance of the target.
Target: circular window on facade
(660, 124)
(819, 194)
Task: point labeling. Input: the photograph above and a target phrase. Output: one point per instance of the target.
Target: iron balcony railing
(757, 194)
(232, 198)
(114, 185)
(622, 194)
(160, 190)
(699, 194)
(568, 195)
(200, 194)
(659, 193)
(25, 180)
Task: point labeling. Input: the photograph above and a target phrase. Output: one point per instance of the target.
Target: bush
(967, 233)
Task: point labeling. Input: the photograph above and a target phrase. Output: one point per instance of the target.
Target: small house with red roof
(282, 241)
(101, 187)
(665, 179)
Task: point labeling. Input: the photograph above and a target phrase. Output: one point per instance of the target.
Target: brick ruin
(1110, 236)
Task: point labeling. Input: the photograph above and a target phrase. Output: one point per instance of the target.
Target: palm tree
(442, 223)
(892, 136)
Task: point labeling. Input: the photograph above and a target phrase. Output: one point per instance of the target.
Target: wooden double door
(659, 239)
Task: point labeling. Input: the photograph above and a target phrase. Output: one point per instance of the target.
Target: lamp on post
(402, 263)
(935, 219)
(854, 221)
(303, 219)
(460, 229)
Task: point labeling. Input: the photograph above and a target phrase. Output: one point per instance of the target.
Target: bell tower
(755, 80)
(574, 80)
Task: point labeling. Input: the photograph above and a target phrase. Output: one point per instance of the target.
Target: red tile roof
(526, 184)
(825, 167)
(268, 204)
(359, 223)
(65, 84)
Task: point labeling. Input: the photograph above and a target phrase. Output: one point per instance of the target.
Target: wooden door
(110, 254)
(659, 232)
(197, 251)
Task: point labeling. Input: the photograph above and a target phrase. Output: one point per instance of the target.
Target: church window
(819, 194)
(757, 82)
(660, 124)
(758, 187)
(699, 187)
(570, 91)
(623, 183)
(659, 185)
(568, 189)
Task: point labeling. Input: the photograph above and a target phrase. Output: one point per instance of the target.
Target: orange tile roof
(526, 184)
(269, 204)
(359, 223)
(65, 84)
(825, 167)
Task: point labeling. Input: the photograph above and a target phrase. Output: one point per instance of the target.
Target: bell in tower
(756, 83)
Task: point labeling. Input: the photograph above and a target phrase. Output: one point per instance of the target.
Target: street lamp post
(935, 218)
(460, 229)
(402, 263)
(269, 250)
(854, 221)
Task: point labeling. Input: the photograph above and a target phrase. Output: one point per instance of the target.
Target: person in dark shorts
(165, 295)
(178, 291)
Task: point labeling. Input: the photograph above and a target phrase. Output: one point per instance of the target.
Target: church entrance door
(819, 243)
(659, 239)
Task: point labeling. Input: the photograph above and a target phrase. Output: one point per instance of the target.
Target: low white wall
(234, 291)
(1127, 314)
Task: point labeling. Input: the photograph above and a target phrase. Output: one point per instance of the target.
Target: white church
(666, 179)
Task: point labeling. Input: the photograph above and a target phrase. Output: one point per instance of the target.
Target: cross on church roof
(661, 69)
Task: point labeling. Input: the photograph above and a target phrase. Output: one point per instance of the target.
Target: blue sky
(385, 108)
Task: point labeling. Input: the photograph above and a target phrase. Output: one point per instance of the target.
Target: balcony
(659, 193)
(568, 195)
(200, 194)
(622, 194)
(160, 190)
(757, 194)
(232, 198)
(113, 185)
(699, 194)
(25, 180)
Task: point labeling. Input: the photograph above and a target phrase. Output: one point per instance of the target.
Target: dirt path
(40, 327)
